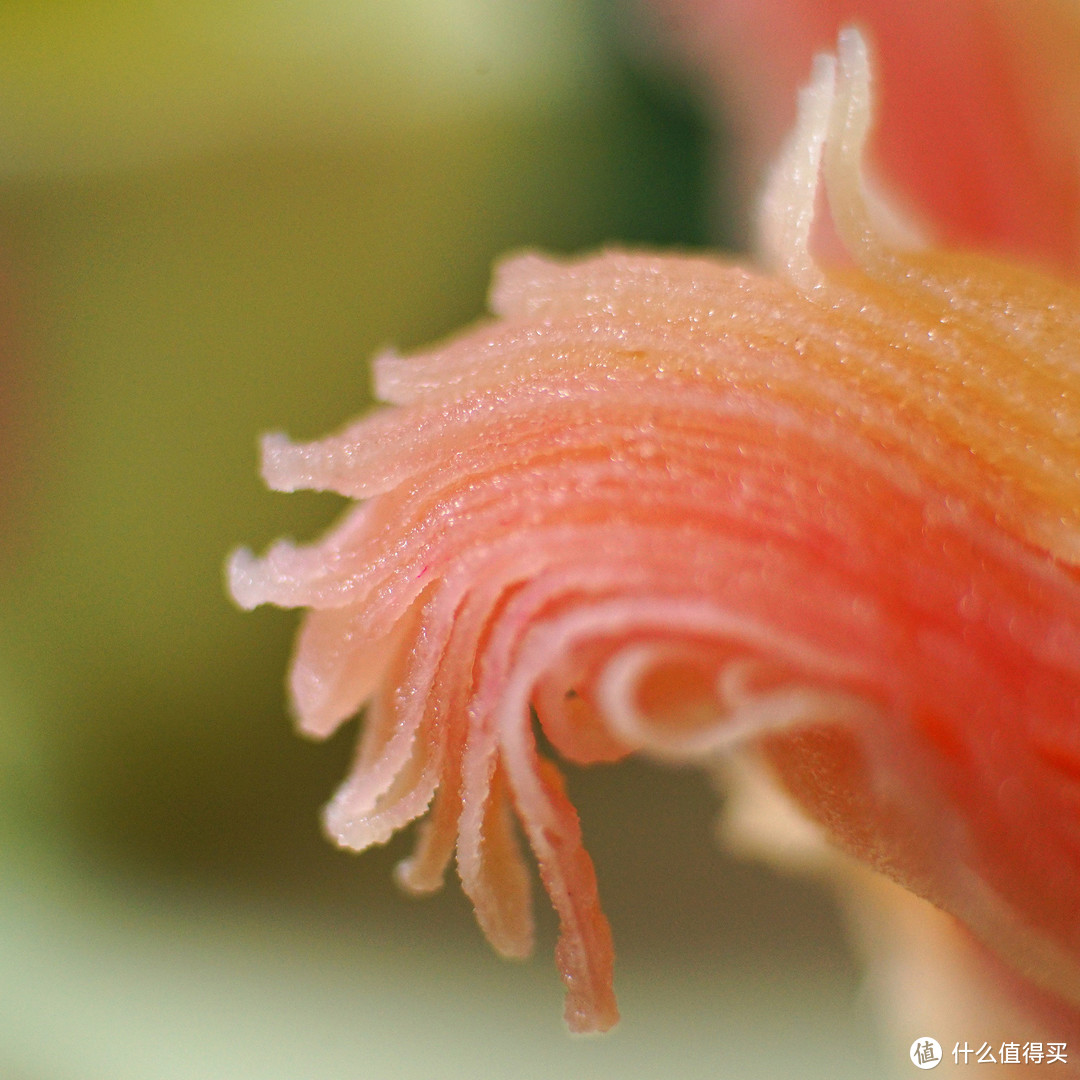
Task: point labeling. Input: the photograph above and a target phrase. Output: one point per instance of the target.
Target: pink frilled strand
(677, 508)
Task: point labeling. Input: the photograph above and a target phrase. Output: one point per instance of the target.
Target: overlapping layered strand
(664, 505)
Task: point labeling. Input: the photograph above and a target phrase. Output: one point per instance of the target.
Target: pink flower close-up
(811, 524)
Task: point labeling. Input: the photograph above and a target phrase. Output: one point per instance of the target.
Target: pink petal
(979, 129)
(675, 507)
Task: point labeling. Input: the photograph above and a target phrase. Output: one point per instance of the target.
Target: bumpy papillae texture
(668, 506)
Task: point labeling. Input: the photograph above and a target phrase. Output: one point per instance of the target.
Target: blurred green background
(211, 215)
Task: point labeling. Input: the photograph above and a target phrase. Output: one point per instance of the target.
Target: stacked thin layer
(668, 506)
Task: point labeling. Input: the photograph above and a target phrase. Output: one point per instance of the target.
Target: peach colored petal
(672, 507)
(979, 133)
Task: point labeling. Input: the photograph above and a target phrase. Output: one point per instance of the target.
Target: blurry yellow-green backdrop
(211, 215)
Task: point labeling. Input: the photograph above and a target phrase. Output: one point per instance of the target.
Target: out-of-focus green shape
(113, 83)
(111, 985)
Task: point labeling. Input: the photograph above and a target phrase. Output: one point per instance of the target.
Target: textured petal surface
(668, 506)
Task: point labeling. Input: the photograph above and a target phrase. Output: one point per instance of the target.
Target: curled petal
(980, 106)
(672, 507)
(399, 760)
(337, 668)
(493, 871)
